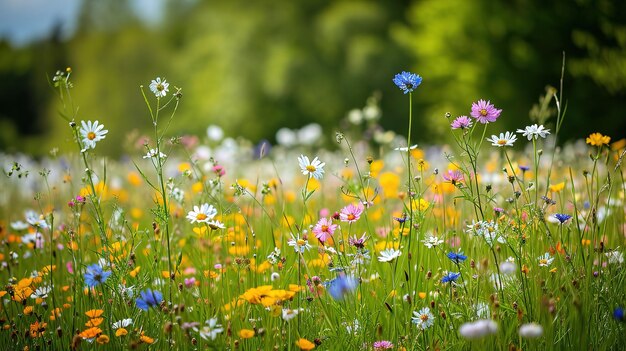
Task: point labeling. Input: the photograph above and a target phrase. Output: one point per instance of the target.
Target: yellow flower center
(502, 142)
(91, 135)
(325, 228)
(201, 216)
(351, 217)
(424, 318)
(543, 261)
(300, 242)
(160, 87)
(311, 168)
(483, 112)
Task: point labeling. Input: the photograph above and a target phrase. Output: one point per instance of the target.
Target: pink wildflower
(484, 111)
(324, 229)
(351, 213)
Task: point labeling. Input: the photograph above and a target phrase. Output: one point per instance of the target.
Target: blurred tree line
(255, 66)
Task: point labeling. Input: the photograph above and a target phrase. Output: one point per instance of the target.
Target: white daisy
(91, 132)
(41, 292)
(313, 169)
(289, 314)
(153, 154)
(35, 219)
(122, 323)
(211, 330)
(298, 244)
(503, 140)
(389, 255)
(534, 131)
(432, 241)
(545, 260)
(159, 88)
(202, 214)
(215, 224)
(424, 319)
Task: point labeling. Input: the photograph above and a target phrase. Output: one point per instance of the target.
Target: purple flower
(351, 213)
(324, 229)
(407, 81)
(95, 275)
(453, 177)
(450, 277)
(149, 298)
(484, 111)
(382, 345)
(461, 122)
(562, 217)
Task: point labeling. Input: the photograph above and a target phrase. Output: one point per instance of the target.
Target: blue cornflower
(457, 257)
(450, 277)
(339, 287)
(407, 81)
(149, 298)
(562, 217)
(618, 313)
(524, 168)
(95, 275)
(400, 219)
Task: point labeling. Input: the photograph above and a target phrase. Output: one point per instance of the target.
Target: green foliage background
(255, 66)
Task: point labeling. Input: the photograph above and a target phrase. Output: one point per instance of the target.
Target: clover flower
(382, 345)
(407, 81)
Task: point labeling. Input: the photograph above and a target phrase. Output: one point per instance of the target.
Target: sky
(22, 21)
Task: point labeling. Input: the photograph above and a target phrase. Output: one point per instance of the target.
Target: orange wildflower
(305, 344)
(94, 313)
(246, 333)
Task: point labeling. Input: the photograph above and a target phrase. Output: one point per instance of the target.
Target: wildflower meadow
(493, 240)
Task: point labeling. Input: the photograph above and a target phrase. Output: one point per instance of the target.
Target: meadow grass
(211, 245)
